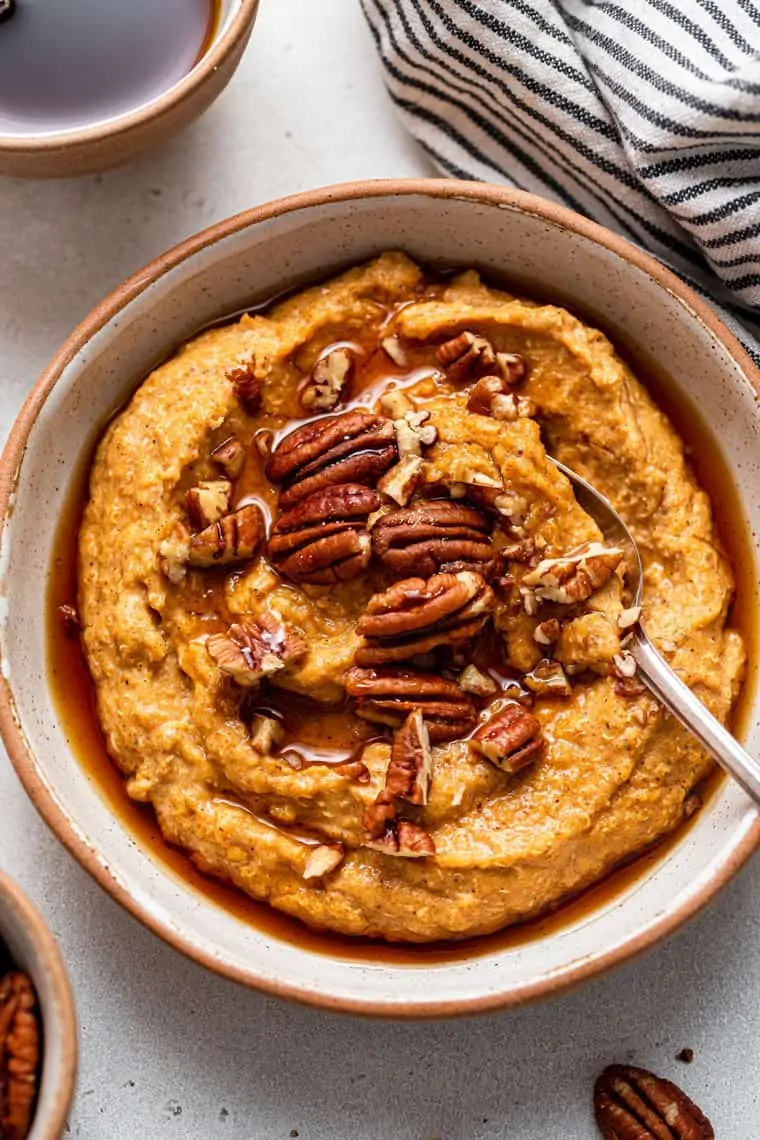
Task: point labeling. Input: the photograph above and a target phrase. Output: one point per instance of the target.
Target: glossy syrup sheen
(324, 737)
(70, 63)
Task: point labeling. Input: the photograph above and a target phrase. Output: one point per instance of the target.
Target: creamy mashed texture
(259, 689)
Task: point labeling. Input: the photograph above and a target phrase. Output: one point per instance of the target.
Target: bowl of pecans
(38, 1035)
(331, 687)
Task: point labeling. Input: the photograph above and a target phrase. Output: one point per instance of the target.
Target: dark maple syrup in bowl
(69, 64)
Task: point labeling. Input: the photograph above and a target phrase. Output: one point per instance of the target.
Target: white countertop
(168, 1049)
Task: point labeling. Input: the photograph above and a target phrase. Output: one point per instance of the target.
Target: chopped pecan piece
(512, 739)
(628, 618)
(230, 541)
(547, 632)
(19, 1055)
(247, 652)
(429, 536)
(230, 455)
(378, 814)
(354, 770)
(466, 356)
(354, 447)
(480, 684)
(401, 837)
(247, 388)
(415, 616)
(548, 679)
(387, 696)
(634, 1104)
(70, 619)
(323, 539)
(395, 403)
(329, 377)
(411, 766)
(493, 396)
(267, 734)
(402, 481)
(413, 432)
(511, 368)
(208, 502)
(575, 576)
(323, 859)
(173, 553)
(393, 347)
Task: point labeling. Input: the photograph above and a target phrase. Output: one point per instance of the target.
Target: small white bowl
(254, 256)
(34, 950)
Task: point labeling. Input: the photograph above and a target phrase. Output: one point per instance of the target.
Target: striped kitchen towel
(641, 114)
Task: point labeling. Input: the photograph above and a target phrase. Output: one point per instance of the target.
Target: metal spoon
(653, 669)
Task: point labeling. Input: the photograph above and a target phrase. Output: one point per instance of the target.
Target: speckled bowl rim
(112, 128)
(61, 1009)
(10, 463)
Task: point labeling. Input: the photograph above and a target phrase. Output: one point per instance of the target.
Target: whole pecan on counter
(353, 447)
(230, 541)
(511, 740)
(19, 1055)
(387, 696)
(433, 535)
(323, 538)
(251, 650)
(415, 616)
(634, 1104)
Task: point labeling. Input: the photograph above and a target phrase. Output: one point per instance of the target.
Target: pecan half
(208, 502)
(246, 387)
(387, 696)
(411, 765)
(433, 535)
(634, 1104)
(255, 649)
(323, 859)
(329, 377)
(575, 576)
(230, 455)
(354, 447)
(231, 540)
(323, 538)
(466, 356)
(415, 616)
(512, 739)
(19, 1055)
(401, 837)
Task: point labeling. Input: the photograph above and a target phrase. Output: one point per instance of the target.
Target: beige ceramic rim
(111, 129)
(12, 457)
(61, 1009)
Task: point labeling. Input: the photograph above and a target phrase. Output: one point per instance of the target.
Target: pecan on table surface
(634, 1104)
(19, 1055)
(250, 650)
(511, 740)
(415, 616)
(575, 576)
(323, 538)
(387, 696)
(354, 447)
(433, 535)
(230, 541)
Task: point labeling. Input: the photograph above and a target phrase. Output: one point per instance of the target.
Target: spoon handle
(670, 690)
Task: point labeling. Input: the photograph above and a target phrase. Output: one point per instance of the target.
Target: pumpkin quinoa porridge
(352, 636)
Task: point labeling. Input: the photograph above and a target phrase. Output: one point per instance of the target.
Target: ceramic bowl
(236, 263)
(35, 951)
(113, 141)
